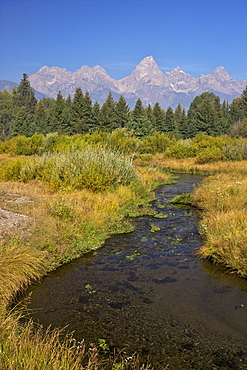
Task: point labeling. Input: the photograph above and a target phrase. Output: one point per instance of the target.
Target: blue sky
(197, 35)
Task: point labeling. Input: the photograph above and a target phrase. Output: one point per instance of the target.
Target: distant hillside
(8, 85)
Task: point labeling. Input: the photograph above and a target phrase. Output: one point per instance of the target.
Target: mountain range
(146, 82)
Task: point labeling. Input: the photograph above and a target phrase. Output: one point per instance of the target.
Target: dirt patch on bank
(12, 222)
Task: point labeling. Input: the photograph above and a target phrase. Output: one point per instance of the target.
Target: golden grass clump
(29, 347)
(223, 200)
(191, 166)
(19, 265)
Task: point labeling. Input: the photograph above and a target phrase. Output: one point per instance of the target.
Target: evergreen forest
(22, 114)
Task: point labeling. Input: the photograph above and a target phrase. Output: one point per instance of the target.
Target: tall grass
(190, 165)
(96, 169)
(19, 265)
(30, 347)
(223, 200)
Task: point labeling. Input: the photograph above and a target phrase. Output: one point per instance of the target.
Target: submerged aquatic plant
(132, 256)
(154, 228)
(90, 289)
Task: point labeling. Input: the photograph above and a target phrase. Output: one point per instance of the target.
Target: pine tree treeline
(21, 114)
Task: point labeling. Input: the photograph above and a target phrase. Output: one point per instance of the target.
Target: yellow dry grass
(29, 347)
(190, 165)
(223, 200)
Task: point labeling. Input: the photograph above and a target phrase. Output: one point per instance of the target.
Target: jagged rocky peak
(220, 72)
(180, 80)
(54, 70)
(147, 66)
(87, 69)
(146, 72)
(177, 70)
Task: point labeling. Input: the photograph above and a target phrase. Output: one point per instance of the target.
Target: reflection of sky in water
(147, 287)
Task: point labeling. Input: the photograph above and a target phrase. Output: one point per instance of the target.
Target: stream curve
(147, 292)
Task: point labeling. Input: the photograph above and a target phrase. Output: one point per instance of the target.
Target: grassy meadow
(74, 192)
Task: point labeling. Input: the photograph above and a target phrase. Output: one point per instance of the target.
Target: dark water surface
(151, 294)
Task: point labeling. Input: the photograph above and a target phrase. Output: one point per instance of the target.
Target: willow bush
(96, 169)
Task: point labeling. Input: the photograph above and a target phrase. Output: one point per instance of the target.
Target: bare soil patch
(14, 223)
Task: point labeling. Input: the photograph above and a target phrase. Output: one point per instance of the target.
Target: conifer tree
(205, 115)
(236, 111)
(180, 122)
(87, 112)
(108, 114)
(22, 124)
(122, 113)
(6, 113)
(138, 111)
(60, 116)
(23, 95)
(96, 117)
(41, 119)
(141, 126)
(182, 126)
(244, 101)
(77, 112)
(169, 124)
(159, 118)
(150, 115)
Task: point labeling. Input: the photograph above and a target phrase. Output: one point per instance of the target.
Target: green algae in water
(160, 215)
(154, 228)
(132, 256)
(90, 289)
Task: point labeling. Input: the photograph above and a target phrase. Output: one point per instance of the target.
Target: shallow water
(148, 293)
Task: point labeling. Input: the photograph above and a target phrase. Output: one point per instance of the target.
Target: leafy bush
(157, 143)
(236, 152)
(22, 145)
(122, 140)
(48, 143)
(181, 149)
(212, 154)
(95, 169)
(203, 141)
(10, 170)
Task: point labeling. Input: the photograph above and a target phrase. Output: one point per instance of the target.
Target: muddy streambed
(147, 292)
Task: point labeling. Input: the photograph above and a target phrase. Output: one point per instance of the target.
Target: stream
(147, 292)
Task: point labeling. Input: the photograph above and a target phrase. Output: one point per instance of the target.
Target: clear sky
(197, 35)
